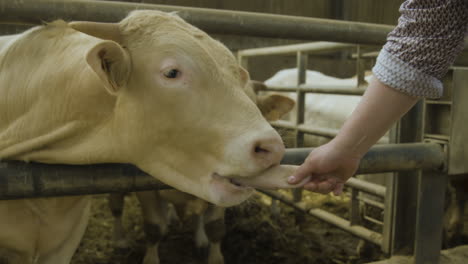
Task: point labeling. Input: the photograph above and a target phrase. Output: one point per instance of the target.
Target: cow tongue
(273, 178)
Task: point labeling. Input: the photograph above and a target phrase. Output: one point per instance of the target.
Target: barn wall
(372, 11)
(261, 68)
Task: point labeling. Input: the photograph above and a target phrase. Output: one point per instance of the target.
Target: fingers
(338, 189)
(305, 170)
(325, 186)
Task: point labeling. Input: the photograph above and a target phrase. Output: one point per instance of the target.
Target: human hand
(329, 167)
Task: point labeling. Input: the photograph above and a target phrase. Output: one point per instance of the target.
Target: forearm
(380, 107)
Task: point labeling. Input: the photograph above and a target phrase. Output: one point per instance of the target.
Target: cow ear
(244, 76)
(111, 63)
(275, 106)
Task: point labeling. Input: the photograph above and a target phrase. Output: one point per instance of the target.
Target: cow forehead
(153, 30)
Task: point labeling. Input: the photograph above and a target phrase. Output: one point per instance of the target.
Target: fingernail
(291, 179)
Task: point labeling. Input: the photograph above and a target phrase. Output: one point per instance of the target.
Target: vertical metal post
(429, 218)
(302, 61)
(360, 68)
(405, 188)
(389, 201)
(355, 218)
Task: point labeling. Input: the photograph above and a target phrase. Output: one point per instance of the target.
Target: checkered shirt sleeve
(425, 43)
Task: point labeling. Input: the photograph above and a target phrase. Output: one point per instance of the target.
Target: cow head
(181, 112)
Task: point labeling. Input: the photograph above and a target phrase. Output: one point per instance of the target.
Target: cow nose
(268, 151)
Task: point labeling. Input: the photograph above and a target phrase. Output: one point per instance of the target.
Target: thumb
(305, 170)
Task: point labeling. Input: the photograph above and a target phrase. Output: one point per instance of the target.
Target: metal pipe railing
(26, 180)
(367, 187)
(312, 130)
(330, 218)
(308, 48)
(319, 88)
(210, 20)
(388, 157)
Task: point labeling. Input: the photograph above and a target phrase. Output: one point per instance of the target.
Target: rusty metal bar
(25, 180)
(312, 130)
(319, 88)
(330, 218)
(370, 202)
(388, 157)
(318, 131)
(210, 20)
(367, 187)
(308, 48)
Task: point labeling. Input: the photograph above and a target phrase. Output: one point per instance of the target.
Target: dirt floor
(253, 236)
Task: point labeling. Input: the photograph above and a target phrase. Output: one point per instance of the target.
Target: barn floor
(252, 237)
(457, 255)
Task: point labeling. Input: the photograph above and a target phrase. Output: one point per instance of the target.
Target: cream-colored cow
(152, 91)
(209, 228)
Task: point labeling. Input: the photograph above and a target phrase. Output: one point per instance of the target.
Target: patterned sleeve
(425, 43)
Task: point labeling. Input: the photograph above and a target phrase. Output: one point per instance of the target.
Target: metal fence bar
(318, 131)
(367, 187)
(388, 157)
(370, 202)
(309, 48)
(330, 218)
(317, 88)
(312, 130)
(429, 217)
(210, 20)
(26, 180)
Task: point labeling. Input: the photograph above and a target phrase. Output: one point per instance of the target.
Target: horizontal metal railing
(387, 157)
(319, 88)
(211, 20)
(309, 48)
(26, 180)
(330, 218)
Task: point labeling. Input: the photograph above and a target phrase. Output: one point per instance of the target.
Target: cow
(209, 227)
(152, 91)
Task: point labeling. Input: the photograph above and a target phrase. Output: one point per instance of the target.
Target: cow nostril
(259, 149)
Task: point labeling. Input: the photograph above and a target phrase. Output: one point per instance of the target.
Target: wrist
(351, 147)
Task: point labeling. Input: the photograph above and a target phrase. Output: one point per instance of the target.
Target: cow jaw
(233, 189)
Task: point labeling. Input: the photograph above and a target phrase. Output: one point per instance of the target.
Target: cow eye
(172, 73)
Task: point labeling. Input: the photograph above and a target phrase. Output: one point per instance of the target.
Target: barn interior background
(256, 233)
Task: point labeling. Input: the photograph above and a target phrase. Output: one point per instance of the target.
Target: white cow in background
(321, 110)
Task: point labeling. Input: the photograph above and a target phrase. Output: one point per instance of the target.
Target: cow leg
(8, 256)
(452, 217)
(65, 252)
(116, 205)
(210, 232)
(155, 223)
